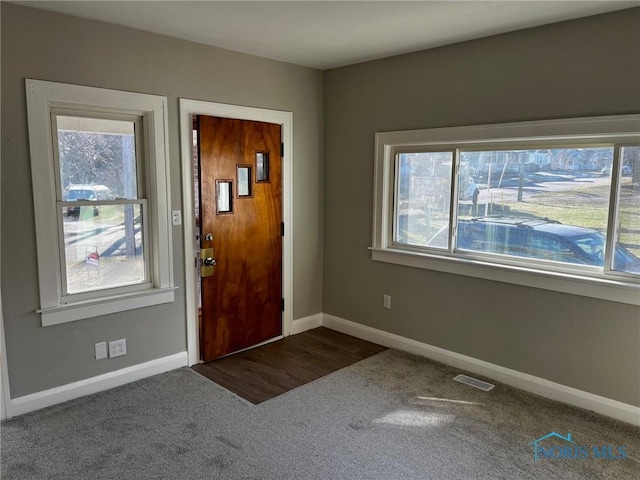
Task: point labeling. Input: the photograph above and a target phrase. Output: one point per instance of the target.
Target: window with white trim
(550, 204)
(101, 197)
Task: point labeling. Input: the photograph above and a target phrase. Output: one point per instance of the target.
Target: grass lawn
(586, 207)
(105, 234)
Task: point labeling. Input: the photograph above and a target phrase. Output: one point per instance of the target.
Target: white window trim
(42, 96)
(617, 289)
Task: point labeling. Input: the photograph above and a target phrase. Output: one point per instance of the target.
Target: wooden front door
(241, 221)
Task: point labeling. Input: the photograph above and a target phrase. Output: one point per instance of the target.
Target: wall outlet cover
(118, 348)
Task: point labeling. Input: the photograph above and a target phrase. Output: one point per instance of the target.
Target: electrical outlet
(386, 301)
(101, 350)
(176, 217)
(118, 348)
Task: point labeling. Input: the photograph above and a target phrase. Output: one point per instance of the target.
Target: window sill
(614, 289)
(104, 306)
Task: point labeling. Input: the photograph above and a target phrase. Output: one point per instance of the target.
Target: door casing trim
(188, 108)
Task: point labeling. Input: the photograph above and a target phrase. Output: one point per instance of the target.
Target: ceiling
(328, 34)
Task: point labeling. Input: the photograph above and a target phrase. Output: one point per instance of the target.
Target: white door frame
(5, 395)
(188, 108)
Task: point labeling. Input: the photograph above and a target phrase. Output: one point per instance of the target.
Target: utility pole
(128, 162)
(520, 176)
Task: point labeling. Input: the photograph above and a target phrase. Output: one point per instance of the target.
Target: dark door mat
(265, 372)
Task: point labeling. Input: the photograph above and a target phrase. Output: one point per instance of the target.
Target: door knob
(209, 262)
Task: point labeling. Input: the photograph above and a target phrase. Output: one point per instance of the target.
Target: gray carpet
(391, 416)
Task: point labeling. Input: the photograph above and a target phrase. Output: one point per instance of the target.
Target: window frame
(607, 284)
(140, 199)
(46, 99)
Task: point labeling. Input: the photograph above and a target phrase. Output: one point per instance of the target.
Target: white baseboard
(47, 398)
(306, 323)
(539, 386)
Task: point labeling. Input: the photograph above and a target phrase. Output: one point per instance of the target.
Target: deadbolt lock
(208, 237)
(207, 262)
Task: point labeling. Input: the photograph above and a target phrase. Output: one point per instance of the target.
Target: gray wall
(585, 67)
(47, 46)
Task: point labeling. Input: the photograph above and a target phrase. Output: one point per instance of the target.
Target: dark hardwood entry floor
(265, 372)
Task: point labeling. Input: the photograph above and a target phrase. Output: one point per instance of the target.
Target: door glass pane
(423, 199)
(103, 247)
(96, 154)
(544, 204)
(262, 167)
(224, 196)
(244, 180)
(627, 250)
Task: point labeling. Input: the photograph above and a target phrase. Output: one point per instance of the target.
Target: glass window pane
(97, 154)
(244, 180)
(423, 200)
(103, 247)
(262, 166)
(224, 196)
(545, 204)
(627, 249)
